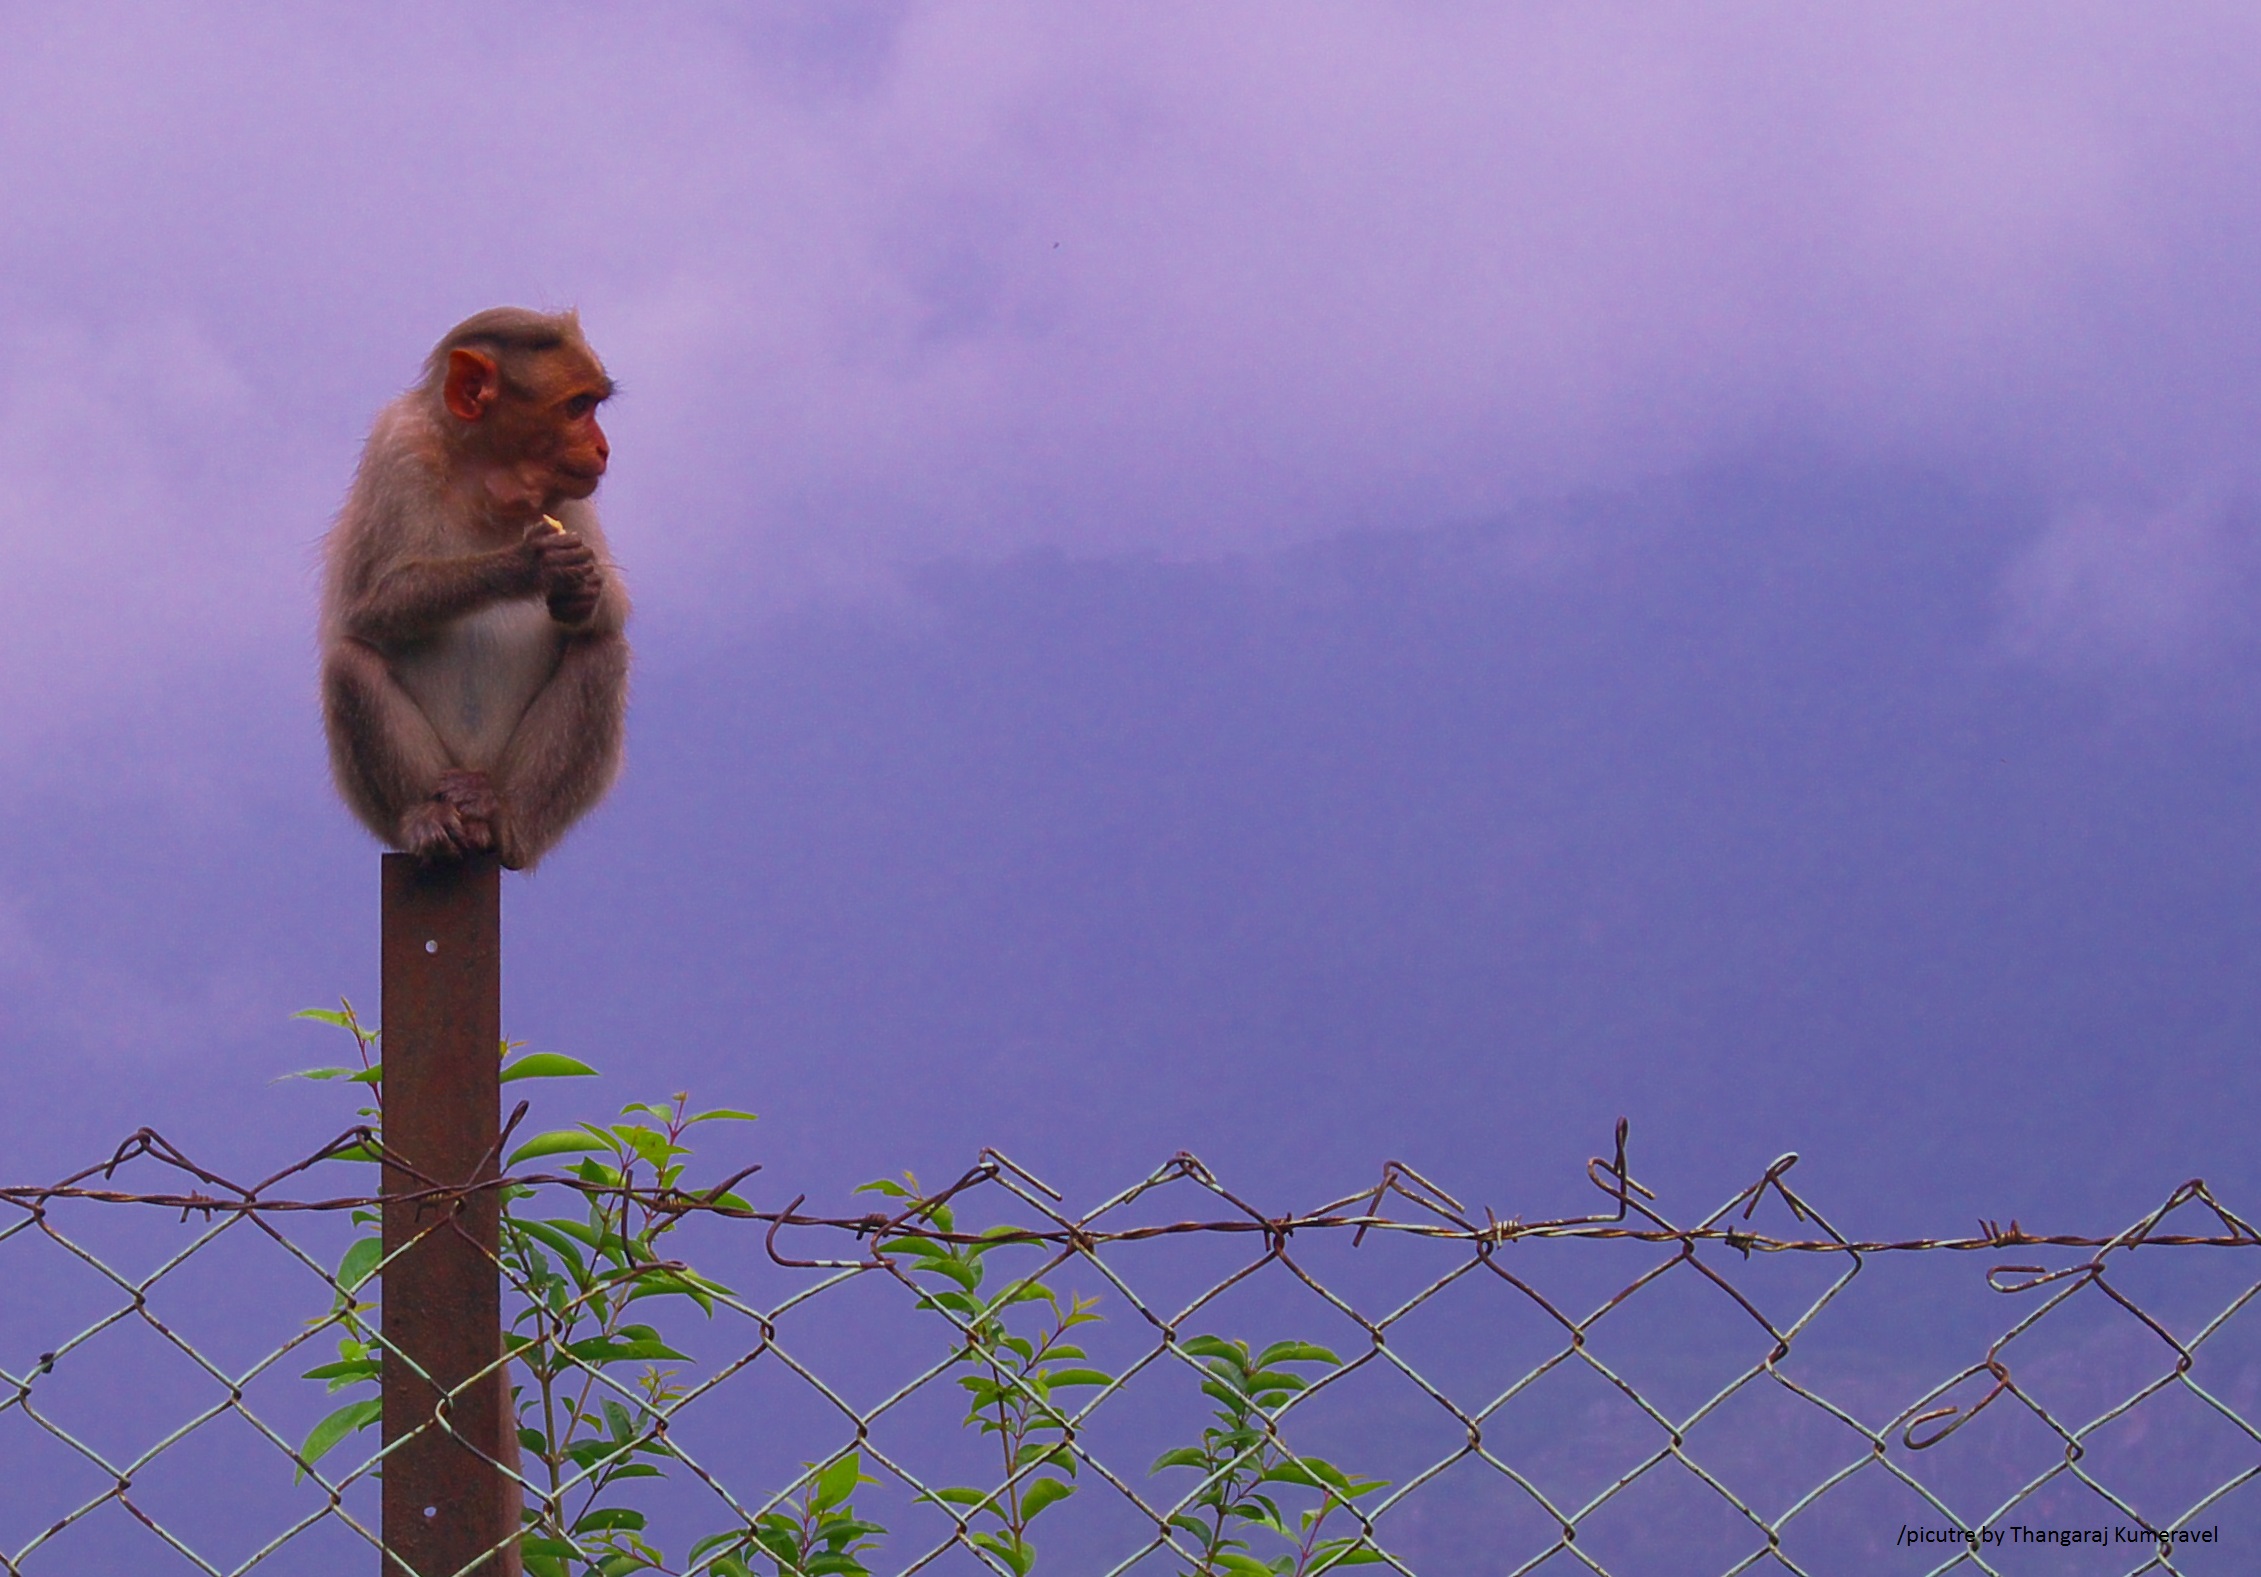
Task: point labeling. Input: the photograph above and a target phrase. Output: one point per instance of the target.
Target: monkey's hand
(473, 800)
(566, 571)
(435, 831)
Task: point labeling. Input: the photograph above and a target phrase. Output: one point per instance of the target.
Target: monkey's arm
(418, 597)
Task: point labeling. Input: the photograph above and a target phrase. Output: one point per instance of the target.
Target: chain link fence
(1390, 1379)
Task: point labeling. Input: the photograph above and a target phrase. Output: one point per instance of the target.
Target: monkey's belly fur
(475, 679)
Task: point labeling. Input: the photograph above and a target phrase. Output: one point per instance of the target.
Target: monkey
(474, 656)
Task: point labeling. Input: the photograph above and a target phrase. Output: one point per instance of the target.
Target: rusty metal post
(442, 1019)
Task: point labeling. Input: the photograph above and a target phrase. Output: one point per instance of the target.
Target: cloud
(115, 490)
(897, 282)
(2159, 588)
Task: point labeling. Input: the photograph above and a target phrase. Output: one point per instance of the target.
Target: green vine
(594, 1381)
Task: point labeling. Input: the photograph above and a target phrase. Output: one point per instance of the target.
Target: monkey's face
(560, 432)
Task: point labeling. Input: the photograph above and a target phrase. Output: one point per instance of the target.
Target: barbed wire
(1890, 1446)
(1398, 1181)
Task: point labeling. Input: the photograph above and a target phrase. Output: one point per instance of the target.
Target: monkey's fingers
(559, 580)
(564, 550)
(469, 794)
(559, 569)
(433, 832)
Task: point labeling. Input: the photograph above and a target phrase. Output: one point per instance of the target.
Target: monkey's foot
(435, 832)
(470, 794)
(476, 806)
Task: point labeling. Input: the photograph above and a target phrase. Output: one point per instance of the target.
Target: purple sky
(1306, 583)
(1694, 561)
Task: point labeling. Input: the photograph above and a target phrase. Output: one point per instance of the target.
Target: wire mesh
(1448, 1391)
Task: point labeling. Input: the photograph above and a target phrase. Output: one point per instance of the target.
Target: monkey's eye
(580, 405)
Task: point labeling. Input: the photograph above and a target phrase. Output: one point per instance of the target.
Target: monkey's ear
(473, 384)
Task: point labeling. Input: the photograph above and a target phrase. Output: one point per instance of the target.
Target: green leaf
(558, 1141)
(1217, 1347)
(606, 1518)
(345, 1372)
(965, 1272)
(1293, 1352)
(1224, 1392)
(324, 1436)
(1246, 1566)
(842, 1528)
(836, 1483)
(598, 1350)
(959, 1496)
(1042, 1493)
(566, 1247)
(1015, 1553)
(587, 1454)
(721, 1114)
(1184, 1456)
(582, 1232)
(360, 1259)
(547, 1065)
(648, 1143)
(1060, 1377)
(623, 1427)
(675, 1284)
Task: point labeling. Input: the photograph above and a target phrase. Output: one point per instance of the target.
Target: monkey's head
(521, 389)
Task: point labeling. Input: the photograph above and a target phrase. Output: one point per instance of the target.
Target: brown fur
(433, 621)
